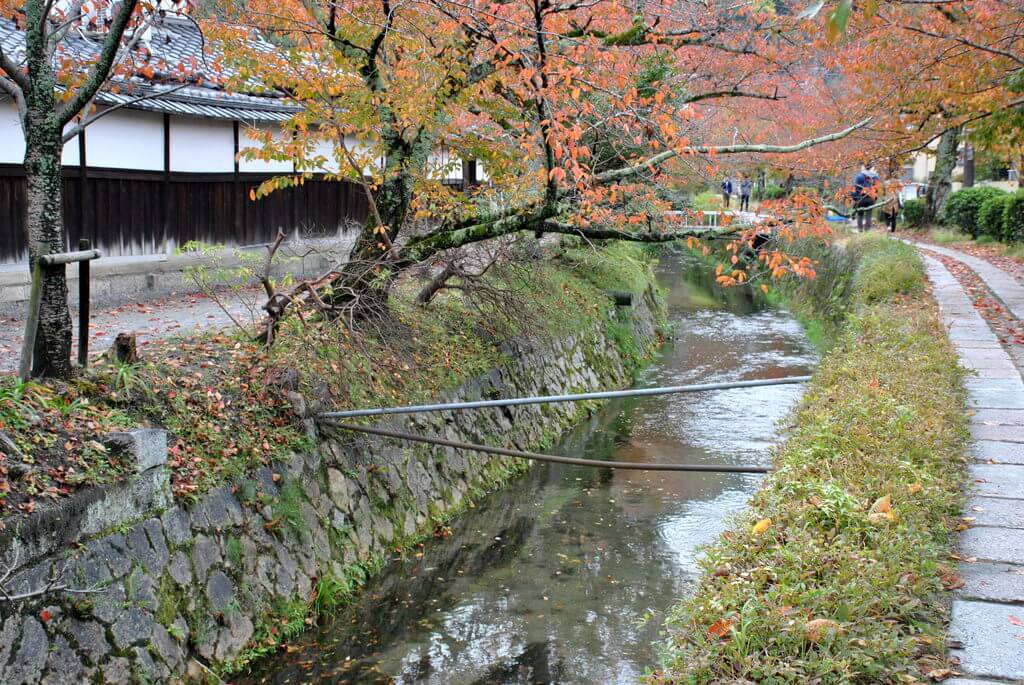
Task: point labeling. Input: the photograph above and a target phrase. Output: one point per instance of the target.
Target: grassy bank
(837, 573)
(225, 401)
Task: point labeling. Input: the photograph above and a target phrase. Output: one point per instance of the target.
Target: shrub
(772, 192)
(962, 207)
(885, 270)
(1013, 217)
(990, 216)
(914, 212)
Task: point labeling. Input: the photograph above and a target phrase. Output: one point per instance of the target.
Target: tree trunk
(45, 221)
(941, 181)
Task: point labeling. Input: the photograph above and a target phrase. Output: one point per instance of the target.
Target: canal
(565, 575)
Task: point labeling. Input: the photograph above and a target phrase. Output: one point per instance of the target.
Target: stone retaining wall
(177, 587)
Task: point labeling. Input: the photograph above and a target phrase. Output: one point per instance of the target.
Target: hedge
(990, 216)
(915, 212)
(1013, 217)
(962, 207)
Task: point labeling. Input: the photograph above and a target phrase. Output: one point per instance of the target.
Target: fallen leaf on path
(1014, 620)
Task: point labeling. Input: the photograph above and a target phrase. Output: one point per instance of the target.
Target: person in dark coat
(865, 190)
(726, 192)
(746, 185)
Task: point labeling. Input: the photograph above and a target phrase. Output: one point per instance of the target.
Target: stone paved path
(1004, 286)
(988, 612)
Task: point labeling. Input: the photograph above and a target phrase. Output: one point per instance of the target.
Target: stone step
(1005, 545)
(995, 512)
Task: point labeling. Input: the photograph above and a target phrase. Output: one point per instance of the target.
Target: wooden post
(28, 344)
(83, 306)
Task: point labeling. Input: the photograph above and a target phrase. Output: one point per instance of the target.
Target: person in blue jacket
(726, 192)
(865, 190)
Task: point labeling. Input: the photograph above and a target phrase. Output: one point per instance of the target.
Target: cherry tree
(578, 110)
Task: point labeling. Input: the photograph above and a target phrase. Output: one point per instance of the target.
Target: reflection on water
(563, 577)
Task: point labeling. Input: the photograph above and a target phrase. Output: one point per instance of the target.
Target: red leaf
(1014, 620)
(45, 616)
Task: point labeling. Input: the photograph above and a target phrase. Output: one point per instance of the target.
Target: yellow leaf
(914, 488)
(761, 526)
(820, 628)
(882, 505)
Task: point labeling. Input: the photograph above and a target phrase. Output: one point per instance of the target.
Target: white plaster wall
(124, 140)
(202, 145)
(245, 140)
(326, 148)
(12, 142)
(443, 165)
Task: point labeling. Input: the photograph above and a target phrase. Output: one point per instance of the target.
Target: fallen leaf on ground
(720, 628)
(761, 526)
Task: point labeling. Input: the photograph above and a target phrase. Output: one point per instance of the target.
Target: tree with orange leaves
(929, 70)
(578, 109)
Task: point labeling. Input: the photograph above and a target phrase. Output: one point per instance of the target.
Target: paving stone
(27, 662)
(180, 569)
(91, 639)
(991, 644)
(220, 591)
(994, 511)
(63, 666)
(205, 553)
(995, 393)
(981, 357)
(999, 417)
(993, 544)
(972, 681)
(168, 648)
(999, 480)
(992, 582)
(1002, 452)
(175, 522)
(117, 671)
(134, 625)
(998, 433)
(998, 372)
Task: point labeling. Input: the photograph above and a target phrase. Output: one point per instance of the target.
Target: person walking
(893, 205)
(726, 192)
(746, 185)
(864, 193)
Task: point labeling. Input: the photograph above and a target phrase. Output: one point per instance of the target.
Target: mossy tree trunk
(941, 182)
(45, 221)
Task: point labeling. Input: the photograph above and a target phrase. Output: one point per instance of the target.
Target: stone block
(993, 544)
(998, 480)
(991, 643)
(993, 582)
(148, 446)
(1001, 452)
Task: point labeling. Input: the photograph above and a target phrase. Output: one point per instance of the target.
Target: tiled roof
(172, 41)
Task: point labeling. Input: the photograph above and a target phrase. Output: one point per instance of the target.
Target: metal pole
(611, 394)
(83, 305)
(535, 456)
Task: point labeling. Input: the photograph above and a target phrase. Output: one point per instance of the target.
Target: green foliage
(915, 212)
(962, 207)
(945, 236)
(772, 192)
(707, 201)
(883, 418)
(1013, 217)
(990, 216)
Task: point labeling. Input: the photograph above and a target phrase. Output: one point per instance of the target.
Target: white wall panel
(201, 145)
(245, 140)
(12, 142)
(124, 140)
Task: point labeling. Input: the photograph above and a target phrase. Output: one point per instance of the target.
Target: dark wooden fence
(128, 213)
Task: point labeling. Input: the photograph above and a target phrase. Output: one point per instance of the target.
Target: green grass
(832, 590)
(947, 236)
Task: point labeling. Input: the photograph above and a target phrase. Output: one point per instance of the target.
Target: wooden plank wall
(128, 213)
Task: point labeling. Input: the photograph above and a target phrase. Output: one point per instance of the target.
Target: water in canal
(564, 576)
